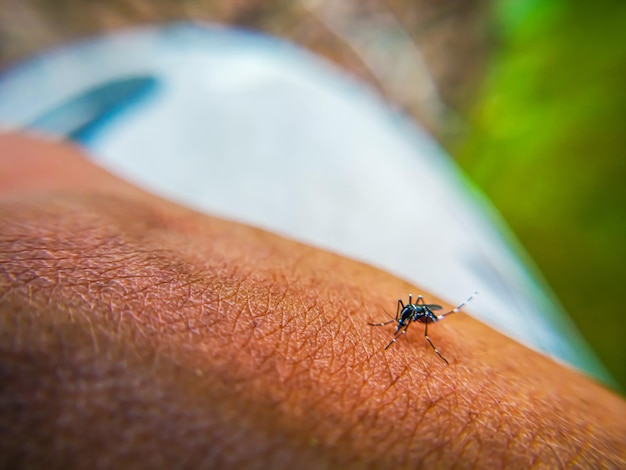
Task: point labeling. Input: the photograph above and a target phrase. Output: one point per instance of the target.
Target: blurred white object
(256, 130)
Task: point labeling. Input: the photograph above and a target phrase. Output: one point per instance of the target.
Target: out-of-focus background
(527, 95)
(546, 141)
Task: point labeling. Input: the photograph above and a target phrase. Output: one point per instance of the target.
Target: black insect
(419, 312)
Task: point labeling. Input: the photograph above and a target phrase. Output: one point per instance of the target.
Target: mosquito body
(420, 312)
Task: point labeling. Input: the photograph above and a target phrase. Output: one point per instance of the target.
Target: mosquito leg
(381, 324)
(400, 304)
(400, 307)
(432, 345)
(390, 343)
(397, 335)
(420, 299)
(458, 307)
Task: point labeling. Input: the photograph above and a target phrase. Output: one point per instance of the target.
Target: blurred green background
(546, 144)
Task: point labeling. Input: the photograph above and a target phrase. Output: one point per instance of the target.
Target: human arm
(135, 332)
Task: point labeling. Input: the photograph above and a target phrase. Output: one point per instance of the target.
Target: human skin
(136, 333)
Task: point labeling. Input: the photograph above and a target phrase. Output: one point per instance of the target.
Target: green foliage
(548, 146)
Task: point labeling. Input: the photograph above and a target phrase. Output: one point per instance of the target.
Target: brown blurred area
(425, 56)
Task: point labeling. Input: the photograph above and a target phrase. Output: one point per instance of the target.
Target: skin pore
(136, 333)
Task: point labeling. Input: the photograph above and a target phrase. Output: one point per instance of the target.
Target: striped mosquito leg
(432, 345)
(381, 324)
(403, 332)
(458, 307)
(401, 307)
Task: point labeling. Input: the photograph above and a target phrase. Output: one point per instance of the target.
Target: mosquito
(420, 312)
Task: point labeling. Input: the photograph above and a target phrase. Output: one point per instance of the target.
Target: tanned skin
(135, 333)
